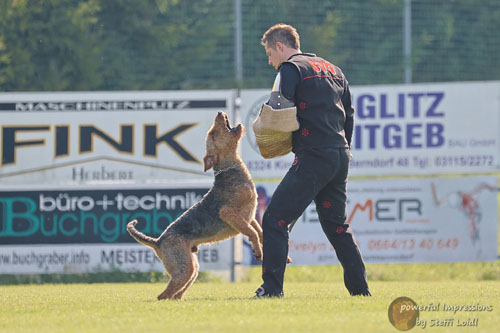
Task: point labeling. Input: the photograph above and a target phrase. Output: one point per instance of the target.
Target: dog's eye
(212, 134)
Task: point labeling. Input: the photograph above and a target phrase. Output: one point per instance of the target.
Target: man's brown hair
(283, 33)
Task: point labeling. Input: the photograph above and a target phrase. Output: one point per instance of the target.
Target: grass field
(316, 301)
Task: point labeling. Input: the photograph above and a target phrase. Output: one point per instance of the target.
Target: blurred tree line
(70, 45)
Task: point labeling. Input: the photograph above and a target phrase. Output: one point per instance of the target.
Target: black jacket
(323, 100)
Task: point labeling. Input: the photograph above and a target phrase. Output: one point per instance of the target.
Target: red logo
(327, 204)
(302, 105)
(322, 66)
(295, 160)
(305, 132)
(263, 270)
(358, 206)
(281, 223)
(340, 230)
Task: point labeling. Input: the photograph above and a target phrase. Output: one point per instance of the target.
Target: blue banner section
(89, 216)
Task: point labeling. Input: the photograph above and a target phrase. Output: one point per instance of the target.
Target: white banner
(83, 137)
(131, 137)
(94, 258)
(419, 129)
(406, 220)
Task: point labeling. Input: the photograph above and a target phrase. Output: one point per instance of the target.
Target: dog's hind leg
(192, 280)
(232, 217)
(179, 263)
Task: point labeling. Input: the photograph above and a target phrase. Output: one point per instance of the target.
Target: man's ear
(208, 162)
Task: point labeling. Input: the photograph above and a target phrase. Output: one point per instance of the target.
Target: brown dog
(227, 209)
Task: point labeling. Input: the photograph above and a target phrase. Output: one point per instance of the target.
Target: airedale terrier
(227, 209)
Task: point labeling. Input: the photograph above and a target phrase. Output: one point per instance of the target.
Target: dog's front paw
(258, 254)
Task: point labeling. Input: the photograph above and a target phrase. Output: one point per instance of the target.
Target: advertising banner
(416, 129)
(75, 167)
(405, 221)
(84, 230)
(94, 258)
(134, 137)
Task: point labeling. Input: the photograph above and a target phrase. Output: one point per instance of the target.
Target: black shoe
(261, 293)
(365, 293)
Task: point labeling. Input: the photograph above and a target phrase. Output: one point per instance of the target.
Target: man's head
(280, 41)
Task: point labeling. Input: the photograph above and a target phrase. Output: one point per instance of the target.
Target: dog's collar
(218, 172)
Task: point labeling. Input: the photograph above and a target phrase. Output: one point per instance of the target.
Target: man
(321, 94)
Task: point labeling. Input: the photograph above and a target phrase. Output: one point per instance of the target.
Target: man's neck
(290, 52)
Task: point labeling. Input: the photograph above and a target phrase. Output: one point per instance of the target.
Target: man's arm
(290, 78)
(349, 113)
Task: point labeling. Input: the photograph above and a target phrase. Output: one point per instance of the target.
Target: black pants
(319, 175)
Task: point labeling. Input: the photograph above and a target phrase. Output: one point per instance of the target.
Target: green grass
(319, 305)
(465, 271)
(470, 271)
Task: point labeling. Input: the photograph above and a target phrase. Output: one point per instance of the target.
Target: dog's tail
(139, 236)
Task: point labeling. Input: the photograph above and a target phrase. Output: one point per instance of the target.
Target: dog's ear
(208, 162)
(239, 130)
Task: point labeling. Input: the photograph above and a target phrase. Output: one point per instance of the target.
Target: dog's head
(222, 141)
